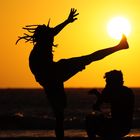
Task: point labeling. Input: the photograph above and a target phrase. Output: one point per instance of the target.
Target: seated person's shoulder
(128, 90)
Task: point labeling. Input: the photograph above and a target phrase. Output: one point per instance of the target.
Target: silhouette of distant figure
(51, 75)
(113, 111)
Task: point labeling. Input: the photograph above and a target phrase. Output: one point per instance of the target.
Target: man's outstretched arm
(71, 18)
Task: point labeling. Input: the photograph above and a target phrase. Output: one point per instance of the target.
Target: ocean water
(27, 113)
(33, 102)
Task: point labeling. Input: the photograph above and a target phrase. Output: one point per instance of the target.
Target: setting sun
(118, 26)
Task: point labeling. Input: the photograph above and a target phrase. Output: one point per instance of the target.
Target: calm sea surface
(33, 102)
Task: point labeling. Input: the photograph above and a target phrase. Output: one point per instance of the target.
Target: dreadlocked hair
(39, 33)
(28, 38)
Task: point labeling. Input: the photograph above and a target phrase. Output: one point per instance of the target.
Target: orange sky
(86, 35)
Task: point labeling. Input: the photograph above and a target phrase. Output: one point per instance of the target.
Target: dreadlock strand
(31, 25)
(27, 35)
(26, 38)
(31, 31)
(26, 28)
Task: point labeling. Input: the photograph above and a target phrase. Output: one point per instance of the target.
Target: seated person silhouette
(51, 75)
(113, 110)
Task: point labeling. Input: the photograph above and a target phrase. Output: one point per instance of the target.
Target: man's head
(39, 34)
(43, 35)
(114, 78)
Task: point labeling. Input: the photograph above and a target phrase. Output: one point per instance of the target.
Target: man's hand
(72, 15)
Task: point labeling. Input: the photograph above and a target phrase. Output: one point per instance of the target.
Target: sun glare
(118, 26)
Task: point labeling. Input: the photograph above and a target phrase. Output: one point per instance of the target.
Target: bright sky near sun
(86, 35)
(118, 26)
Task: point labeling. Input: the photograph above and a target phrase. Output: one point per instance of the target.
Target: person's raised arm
(71, 18)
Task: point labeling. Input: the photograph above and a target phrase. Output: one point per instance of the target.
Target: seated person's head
(114, 78)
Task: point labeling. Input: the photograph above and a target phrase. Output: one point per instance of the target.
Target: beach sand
(49, 135)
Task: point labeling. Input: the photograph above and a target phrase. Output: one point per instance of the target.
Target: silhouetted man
(51, 75)
(113, 111)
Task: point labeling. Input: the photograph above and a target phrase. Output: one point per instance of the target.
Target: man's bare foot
(123, 43)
